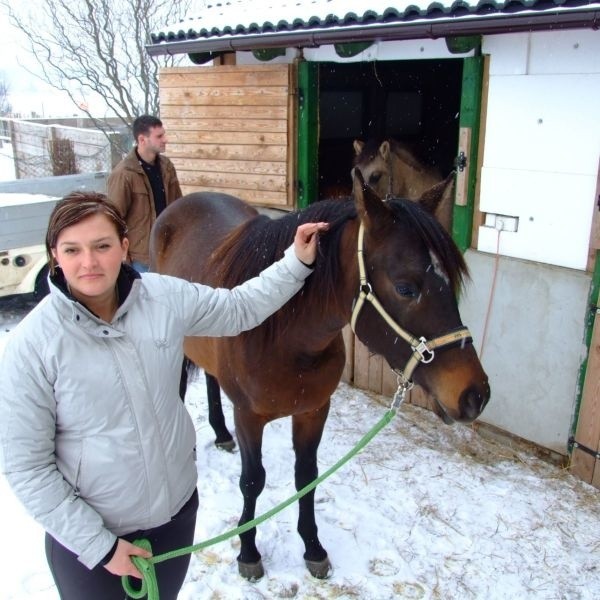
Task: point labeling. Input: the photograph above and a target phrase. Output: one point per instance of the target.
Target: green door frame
(591, 315)
(308, 133)
(470, 114)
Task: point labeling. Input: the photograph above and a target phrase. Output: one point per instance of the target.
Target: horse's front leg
(307, 432)
(249, 430)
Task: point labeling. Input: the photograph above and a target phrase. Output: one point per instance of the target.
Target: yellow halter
(423, 350)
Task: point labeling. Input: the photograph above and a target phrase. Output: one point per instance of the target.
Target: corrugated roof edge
(413, 23)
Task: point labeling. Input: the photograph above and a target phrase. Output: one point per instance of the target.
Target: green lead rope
(145, 566)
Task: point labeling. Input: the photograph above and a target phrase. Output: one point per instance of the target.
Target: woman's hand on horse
(121, 564)
(306, 240)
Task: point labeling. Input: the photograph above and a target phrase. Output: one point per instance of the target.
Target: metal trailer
(25, 206)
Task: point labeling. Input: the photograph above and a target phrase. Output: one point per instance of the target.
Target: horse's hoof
(251, 571)
(228, 446)
(321, 569)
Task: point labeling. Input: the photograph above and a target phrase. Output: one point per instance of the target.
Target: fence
(42, 150)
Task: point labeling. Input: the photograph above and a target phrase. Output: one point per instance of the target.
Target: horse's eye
(406, 290)
(374, 177)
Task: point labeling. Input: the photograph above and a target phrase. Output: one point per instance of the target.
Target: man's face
(155, 141)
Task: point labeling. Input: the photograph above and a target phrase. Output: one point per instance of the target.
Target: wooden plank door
(587, 436)
(231, 129)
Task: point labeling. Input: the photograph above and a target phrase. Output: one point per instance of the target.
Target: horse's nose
(473, 400)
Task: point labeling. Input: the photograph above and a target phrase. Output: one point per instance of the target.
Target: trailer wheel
(41, 283)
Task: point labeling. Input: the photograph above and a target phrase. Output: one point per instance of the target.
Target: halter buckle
(404, 385)
(423, 351)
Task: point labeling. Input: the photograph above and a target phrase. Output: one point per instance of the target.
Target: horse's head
(391, 168)
(407, 309)
(373, 159)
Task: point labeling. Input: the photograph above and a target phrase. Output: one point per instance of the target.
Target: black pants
(74, 581)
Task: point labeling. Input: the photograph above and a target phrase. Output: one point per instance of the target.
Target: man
(142, 185)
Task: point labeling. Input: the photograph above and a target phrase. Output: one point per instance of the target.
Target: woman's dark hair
(73, 209)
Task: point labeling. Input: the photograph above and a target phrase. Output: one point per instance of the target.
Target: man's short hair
(143, 124)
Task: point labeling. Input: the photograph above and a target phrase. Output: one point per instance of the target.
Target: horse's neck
(410, 178)
(322, 326)
(348, 286)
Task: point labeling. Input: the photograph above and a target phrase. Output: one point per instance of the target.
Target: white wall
(533, 346)
(542, 144)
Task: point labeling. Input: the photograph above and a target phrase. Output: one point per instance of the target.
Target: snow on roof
(243, 17)
(240, 15)
(214, 21)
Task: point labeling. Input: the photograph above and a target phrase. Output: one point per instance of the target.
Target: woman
(94, 439)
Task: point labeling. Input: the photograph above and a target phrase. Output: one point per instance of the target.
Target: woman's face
(90, 256)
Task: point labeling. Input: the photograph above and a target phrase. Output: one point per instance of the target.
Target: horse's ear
(358, 146)
(385, 150)
(369, 205)
(431, 199)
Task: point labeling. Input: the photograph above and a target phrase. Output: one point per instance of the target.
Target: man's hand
(120, 563)
(305, 242)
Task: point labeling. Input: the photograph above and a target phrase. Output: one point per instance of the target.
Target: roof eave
(417, 29)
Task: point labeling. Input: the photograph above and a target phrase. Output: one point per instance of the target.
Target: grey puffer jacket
(94, 439)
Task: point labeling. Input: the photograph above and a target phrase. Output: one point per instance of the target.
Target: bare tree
(96, 49)
(5, 105)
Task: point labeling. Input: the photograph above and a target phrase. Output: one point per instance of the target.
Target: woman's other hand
(121, 564)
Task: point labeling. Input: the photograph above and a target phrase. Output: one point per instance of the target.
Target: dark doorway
(416, 102)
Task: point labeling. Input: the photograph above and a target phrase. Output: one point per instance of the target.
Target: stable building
(504, 93)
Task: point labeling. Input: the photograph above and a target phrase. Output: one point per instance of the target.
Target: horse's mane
(261, 241)
(435, 238)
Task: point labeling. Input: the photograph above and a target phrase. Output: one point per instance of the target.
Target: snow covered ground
(425, 511)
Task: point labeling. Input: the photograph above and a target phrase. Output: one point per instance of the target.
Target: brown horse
(388, 267)
(392, 169)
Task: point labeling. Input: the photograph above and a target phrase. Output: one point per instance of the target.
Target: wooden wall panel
(224, 76)
(584, 465)
(224, 137)
(216, 179)
(232, 124)
(242, 113)
(249, 152)
(361, 365)
(231, 129)
(257, 167)
(260, 198)
(348, 374)
(275, 96)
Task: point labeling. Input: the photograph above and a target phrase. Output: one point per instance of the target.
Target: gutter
(523, 21)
